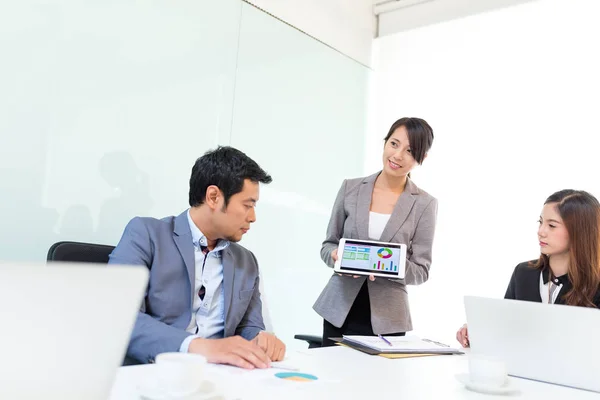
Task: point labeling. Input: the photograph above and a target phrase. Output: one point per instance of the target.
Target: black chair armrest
(130, 361)
(312, 340)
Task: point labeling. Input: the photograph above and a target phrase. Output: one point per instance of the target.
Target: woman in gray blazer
(387, 207)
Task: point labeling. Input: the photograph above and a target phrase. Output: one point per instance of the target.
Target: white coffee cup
(486, 370)
(174, 376)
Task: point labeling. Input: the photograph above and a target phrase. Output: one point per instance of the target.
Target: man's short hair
(227, 168)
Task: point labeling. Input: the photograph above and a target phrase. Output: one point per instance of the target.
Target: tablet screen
(360, 256)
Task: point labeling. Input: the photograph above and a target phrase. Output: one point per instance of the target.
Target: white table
(348, 374)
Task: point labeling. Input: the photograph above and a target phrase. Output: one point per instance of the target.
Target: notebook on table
(397, 345)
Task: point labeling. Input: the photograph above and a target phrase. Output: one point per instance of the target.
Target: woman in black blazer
(568, 270)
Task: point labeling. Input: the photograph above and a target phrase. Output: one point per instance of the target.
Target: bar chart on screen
(385, 266)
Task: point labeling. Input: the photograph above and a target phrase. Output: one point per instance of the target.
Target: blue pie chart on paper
(296, 376)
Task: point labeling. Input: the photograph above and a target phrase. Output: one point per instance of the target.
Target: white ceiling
(349, 26)
(411, 14)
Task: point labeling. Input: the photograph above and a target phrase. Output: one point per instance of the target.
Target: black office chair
(83, 253)
(79, 252)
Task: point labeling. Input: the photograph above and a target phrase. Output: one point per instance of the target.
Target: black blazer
(525, 284)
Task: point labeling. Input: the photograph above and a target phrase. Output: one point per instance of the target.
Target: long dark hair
(580, 212)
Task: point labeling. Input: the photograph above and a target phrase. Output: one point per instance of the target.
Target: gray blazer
(412, 222)
(165, 247)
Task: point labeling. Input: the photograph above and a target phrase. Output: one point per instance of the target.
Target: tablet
(367, 257)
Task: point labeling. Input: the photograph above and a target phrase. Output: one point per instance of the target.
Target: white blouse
(554, 290)
(377, 223)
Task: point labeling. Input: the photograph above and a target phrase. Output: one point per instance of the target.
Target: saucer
(207, 391)
(508, 388)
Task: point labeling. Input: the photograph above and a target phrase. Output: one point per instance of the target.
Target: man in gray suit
(203, 294)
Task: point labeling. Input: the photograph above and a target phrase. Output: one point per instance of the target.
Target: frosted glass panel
(105, 106)
(300, 113)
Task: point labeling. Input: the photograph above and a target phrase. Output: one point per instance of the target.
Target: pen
(280, 365)
(385, 340)
(434, 342)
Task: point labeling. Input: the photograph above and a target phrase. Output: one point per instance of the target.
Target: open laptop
(545, 342)
(65, 328)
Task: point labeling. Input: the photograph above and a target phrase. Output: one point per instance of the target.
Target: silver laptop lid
(546, 342)
(65, 328)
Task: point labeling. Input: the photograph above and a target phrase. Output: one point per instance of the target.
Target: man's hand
(271, 345)
(233, 350)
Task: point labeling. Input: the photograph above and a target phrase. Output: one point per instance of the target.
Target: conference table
(344, 373)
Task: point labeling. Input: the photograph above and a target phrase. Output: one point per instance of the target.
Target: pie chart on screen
(384, 252)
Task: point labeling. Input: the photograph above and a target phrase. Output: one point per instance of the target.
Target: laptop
(544, 342)
(65, 328)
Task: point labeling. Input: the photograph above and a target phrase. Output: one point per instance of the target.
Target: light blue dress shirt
(208, 314)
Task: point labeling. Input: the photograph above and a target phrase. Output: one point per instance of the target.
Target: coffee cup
(174, 376)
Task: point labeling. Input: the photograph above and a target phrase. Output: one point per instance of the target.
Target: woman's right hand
(334, 255)
(463, 336)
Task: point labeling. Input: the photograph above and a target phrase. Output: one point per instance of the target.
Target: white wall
(514, 110)
(346, 25)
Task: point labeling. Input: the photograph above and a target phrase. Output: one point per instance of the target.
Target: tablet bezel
(399, 275)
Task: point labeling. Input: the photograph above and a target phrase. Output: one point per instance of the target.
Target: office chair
(83, 253)
(79, 252)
